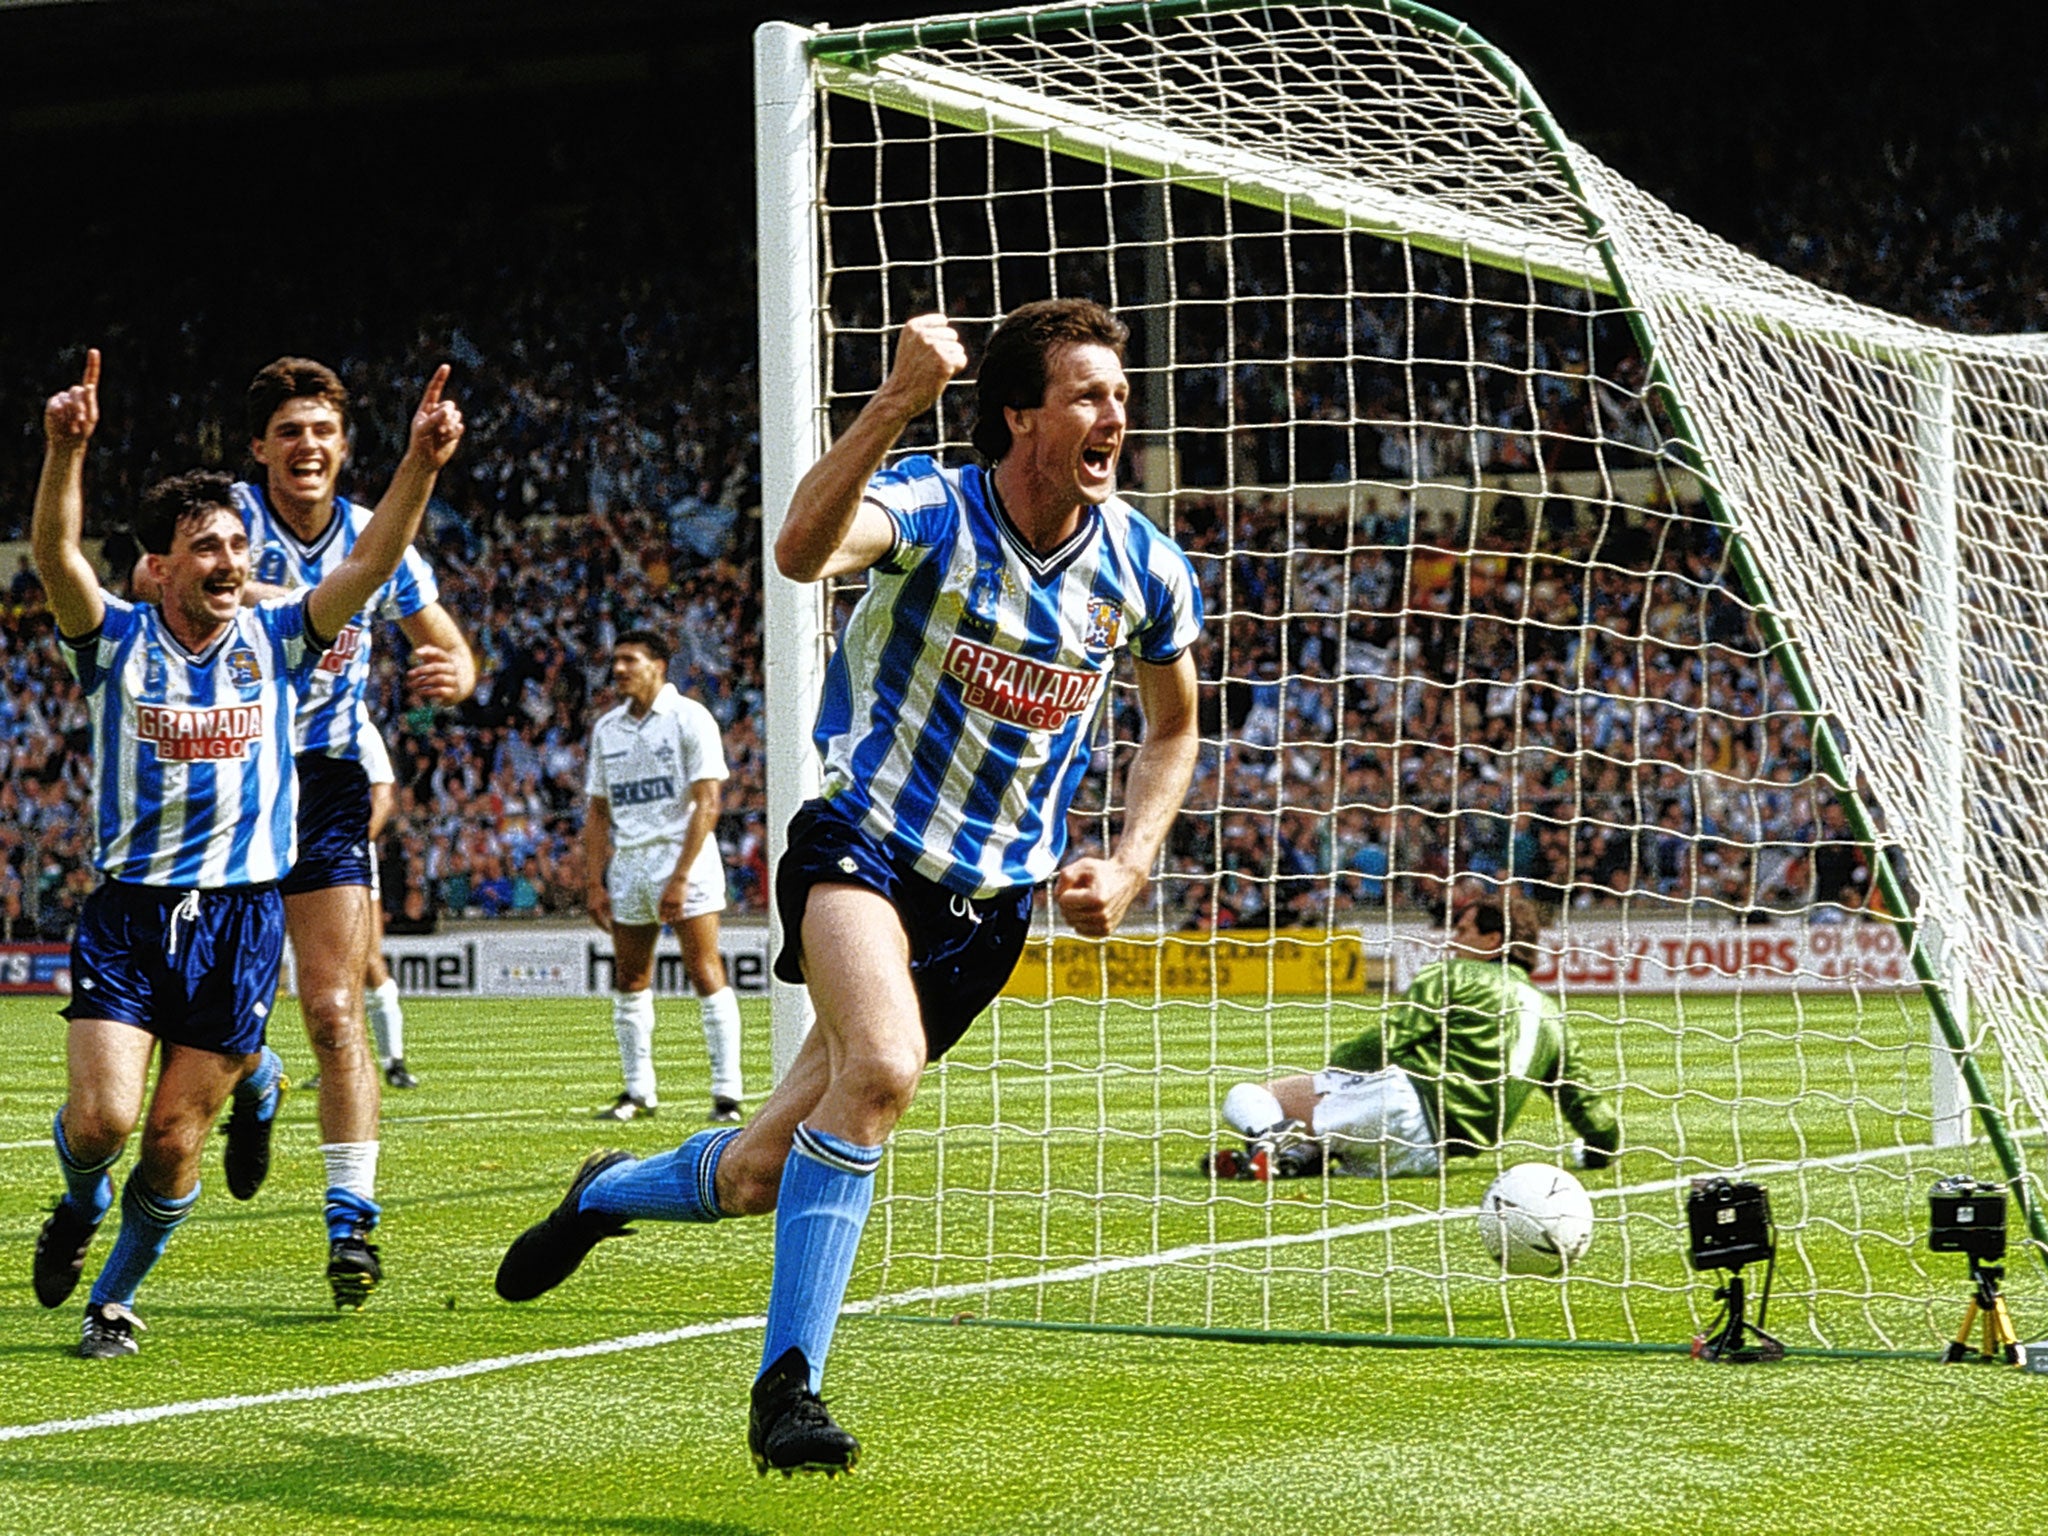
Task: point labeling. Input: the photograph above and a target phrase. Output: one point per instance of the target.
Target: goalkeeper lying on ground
(1442, 1074)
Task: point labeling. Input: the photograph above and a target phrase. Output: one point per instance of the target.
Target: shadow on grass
(314, 1478)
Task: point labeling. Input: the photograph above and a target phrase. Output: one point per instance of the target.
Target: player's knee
(172, 1140)
(334, 1021)
(882, 1082)
(95, 1132)
(748, 1186)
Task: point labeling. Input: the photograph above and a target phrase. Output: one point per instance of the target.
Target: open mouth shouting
(223, 589)
(1098, 463)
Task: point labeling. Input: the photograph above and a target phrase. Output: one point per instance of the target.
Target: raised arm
(69, 418)
(1094, 894)
(436, 430)
(830, 530)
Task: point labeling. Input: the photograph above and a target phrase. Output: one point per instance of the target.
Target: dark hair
(650, 640)
(292, 378)
(1013, 366)
(169, 504)
(1515, 919)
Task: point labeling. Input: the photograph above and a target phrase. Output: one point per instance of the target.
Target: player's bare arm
(706, 800)
(597, 853)
(831, 529)
(443, 669)
(1093, 894)
(436, 432)
(69, 418)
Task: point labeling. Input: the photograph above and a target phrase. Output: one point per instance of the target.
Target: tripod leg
(1960, 1349)
(2002, 1340)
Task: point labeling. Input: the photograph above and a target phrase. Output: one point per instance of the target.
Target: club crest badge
(1105, 624)
(242, 668)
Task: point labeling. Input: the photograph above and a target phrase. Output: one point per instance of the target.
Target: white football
(1536, 1220)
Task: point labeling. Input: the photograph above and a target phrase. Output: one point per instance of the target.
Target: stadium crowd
(1378, 720)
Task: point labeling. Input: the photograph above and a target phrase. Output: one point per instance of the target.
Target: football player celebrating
(955, 732)
(194, 801)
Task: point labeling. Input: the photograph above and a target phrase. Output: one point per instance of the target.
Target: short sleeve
(703, 752)
(594, 785)
(86, 656)
(411, 587)
(922, 503)
(284, 621)
(1173, 598)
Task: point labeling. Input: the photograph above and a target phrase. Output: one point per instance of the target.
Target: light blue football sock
(260, 1087)
(86, 1185)
(147, 1222)
(827, 1186)
(670, 1186)
(346, 1211)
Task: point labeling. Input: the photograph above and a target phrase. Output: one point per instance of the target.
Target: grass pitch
(617, 1404)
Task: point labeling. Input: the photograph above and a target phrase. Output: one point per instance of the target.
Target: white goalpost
(1550, 545)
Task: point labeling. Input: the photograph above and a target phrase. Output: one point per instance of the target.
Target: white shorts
(639, 875)
(1375, 1124)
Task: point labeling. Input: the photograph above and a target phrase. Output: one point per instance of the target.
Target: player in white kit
(651, 850)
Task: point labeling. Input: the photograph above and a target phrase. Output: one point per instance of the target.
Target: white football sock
(351, 1165)
(1251, 1109)
(633, 1023)
(722, 1042)
(387, 1020)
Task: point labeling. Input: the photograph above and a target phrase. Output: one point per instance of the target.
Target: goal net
(1549, 545)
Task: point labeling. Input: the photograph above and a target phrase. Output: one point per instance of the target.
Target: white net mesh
(1471, 627)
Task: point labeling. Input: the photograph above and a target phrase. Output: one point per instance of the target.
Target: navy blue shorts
(334, 825)
(195, 968)
(962, 951)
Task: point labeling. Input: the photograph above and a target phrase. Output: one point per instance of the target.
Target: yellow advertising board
(1196, 965)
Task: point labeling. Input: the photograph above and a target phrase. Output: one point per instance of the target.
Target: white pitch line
(399, 1380)
(569, 1117)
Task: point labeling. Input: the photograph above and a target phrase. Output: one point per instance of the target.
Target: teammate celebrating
(1443, 1074)
(195, 800)
(955, 731)
(655, 765)
(300, 529)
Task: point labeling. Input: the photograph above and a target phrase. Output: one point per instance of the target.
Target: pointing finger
(91, 377)
(432, 397)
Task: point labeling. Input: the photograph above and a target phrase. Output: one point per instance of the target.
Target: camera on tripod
(1730, 1225)
(1967, 1216)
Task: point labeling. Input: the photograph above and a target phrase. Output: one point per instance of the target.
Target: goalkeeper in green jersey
(1443, 1073)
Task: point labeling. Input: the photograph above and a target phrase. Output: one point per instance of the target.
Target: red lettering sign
(199, 735)
(1017, 690)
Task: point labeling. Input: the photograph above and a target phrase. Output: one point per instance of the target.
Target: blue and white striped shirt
(960, 701)
(334, 716)
(193, 784)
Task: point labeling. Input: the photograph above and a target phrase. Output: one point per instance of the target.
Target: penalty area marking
(123, 1418)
